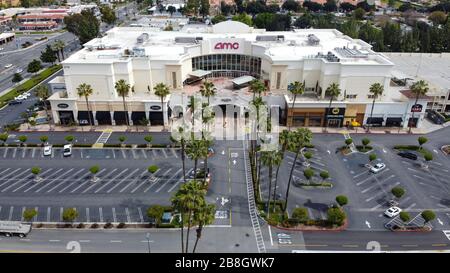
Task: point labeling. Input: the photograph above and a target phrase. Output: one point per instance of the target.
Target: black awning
(138, 115)
(119, 115)
(375, 120)
(394, 120)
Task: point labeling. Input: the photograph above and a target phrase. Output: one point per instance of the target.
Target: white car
(8, 65)
(19, 70)
(27, 94)
(67, 151)
(392, 212)
(378, 167)
(47, 150)
(20, 97)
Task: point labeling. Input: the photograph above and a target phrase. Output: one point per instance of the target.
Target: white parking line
(380, 192)
(107, 183)
(89, 181)
(21, 180)
(87, 215)
(378, 184)
(61, 211)
(100, 212)
(121, 181)
(64, 180)
(114, 153)
(5, 171)
(11, 209)
(358, 175)
(364, 181)
(133, 152)
(174, 153)
(21, 215)
(152, 183)
(178, 182)
(140, 214)
(79, 179)
(144, 154)
(33, 152)
(37, 213)
(53, 180)
(123, 154)
(168, 180)
(127, 212)
(153, 152)
(411, 206)
(49, 209)
(14, 152)
(14, 177)
(5, 152)
(114, 215)
(40, 183)
(24, 152)
(164, 152)
(133, 182)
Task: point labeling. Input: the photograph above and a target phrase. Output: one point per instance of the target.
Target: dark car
(14, 102)
(408, 155)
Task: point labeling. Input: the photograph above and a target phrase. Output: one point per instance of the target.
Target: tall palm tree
(195, 150)
(333, 91)
(193, 103)
(204, 215)
(258, 103)
(419, 88)
(123, 89)
(85, 90)
(376, 90)
(208, 90)
(300, 138)
(270, 159)
(283, 139)
(207, 142)
(257, 87)
(180, 136)
(296, 89)
(59, 46)
(42, 93)
(162, 91)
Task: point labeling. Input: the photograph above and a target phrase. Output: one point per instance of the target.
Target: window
(243, 64)
(351, 96)
(309, 89)
(370, 96)
(278, 80)
(174, 79)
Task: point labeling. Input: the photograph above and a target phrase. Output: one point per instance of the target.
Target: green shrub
(22, 139)
(152, 169)
(43, 139)
(121, 225)
(300, 214)
(29, 214)
(428, 156)
(404, 216)
(428, 215)
(336, 216)
(122, 139)
(94, 169)
(4, 137)
(348, 141)
(69, 214)
(156, 212)
(69, 138)
(35, 170)
(372, 157)
(342, 200)
(398, 192)
(108, 225)
(324, 175)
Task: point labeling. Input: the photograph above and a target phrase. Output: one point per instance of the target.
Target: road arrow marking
(328, 151)
(440, 221)
(234, 162)
(435, 151)
(223, 152)
(384, 151)
(368, 224)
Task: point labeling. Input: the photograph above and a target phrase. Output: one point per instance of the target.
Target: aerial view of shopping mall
(281, 126)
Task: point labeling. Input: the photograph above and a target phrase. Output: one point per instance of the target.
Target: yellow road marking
(302, 245)
(439, 244)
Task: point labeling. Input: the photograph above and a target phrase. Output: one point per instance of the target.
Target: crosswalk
(447, 234)
(60, 181)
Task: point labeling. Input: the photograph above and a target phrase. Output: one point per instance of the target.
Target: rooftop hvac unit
(266, 38)
(185, 40)
(313, 40)
(142, 38)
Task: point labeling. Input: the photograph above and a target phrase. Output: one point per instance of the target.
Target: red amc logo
(226, 46)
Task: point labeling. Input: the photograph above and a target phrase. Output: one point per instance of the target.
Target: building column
(55, 116)
(165, 117)
(129, 118)
(75, 117)
(147, 116)
(94, 118)
(113, 122)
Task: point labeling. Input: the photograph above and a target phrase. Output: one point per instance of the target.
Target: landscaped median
(27, 85)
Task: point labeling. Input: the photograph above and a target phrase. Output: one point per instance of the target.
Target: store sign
(224, 45)
(226, 100)
(416, 108)
(336, 112)
(63, 105)
(155, 107)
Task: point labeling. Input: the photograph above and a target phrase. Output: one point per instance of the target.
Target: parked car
(47, 150)
(14, 102)
(8, 65)
(19, 70)
(408, 155)
(20, 97)
(67, 151)
(378, 168)
(392, 212)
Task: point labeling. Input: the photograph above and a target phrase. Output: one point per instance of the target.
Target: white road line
(5, 152)
(127, 212)
(144, 154)
(21, 215)
(380, 192)
(121, 181)
(61, 210)
(174, 153)
(64, 180)
(11, 209)
(54, 241)
(14, 152)
(164, 152)
(100, 212)
(54, 180)
(84, 241)
(33, 152)
(270, 235)
(87, 215)
(115, 241)
(5, 171)
(49, 209)
(22, 179)
(79, 179)
(168, 180)
(40, 183)
(114, 215)
(89, 181)
(107, 183)
(134, 181)
(123, 153)
(141, 217)
(23, 152)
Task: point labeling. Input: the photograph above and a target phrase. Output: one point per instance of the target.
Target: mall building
(231, 54)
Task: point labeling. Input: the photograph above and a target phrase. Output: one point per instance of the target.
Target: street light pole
(148, 241)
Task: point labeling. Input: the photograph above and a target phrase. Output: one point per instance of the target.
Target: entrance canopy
(242, 80)
(199, 73)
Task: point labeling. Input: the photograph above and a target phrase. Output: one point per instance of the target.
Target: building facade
(227, 53)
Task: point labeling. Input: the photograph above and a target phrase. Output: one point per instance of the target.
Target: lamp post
(148, 241)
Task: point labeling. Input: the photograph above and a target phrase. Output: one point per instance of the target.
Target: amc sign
(416, 108)
(221, 45)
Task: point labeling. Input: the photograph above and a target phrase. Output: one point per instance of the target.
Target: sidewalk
(99, 128)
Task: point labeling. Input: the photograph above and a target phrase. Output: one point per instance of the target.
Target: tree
(207, 89)
(330, 6)
(345, 6)
(204, 8)
(438, 17)
(29, 214)
(48, 55)
(36, 171)
(419, 88)
(122, 139)
(300, 214)
(336, 216)
(333, 91)
(43, 94)
(404, 216)
(4, 138)
(376, 90)
(84, 25)
(195, 150)
(308, 174)
(324, 175)
(23, 139)
(156, 212)
(205, 215)
(58, 46)
(296, 89)
(428, 215)
(162, 91)
(149, 140)
(85, 90)
(348, 142)
(284, 138)
(428, 157)
(34, 66)
(270, 159)
(372, 157)
(123, 89)
(69, 214)
(69, 138)
(108, 14)
(243, 18)
(218, 18)
(43, 139)
(359, 14)
(94, 170)
(342, 200)
(17, 77)
(422, 140)
(398, 192)
(365, 141)
(290, 5)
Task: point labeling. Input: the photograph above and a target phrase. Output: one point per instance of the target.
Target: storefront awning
(375, 120)
(199, 73)
(242, 80)
(394, 120)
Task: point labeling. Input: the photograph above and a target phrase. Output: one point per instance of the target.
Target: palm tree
(257, 87)
(419, 88)
(85, 90)
(204, 215)
(208, 90)
(195, 149)
(59, 46)
(301, 137)
(42, 93)
(162, 91)
(283, 139)
(123, 88)
(180, 136)
(333, 91)
(296, 89)
(257, 103)
(206, 144)
(193, 104)
(376, 90)
(270, 159)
